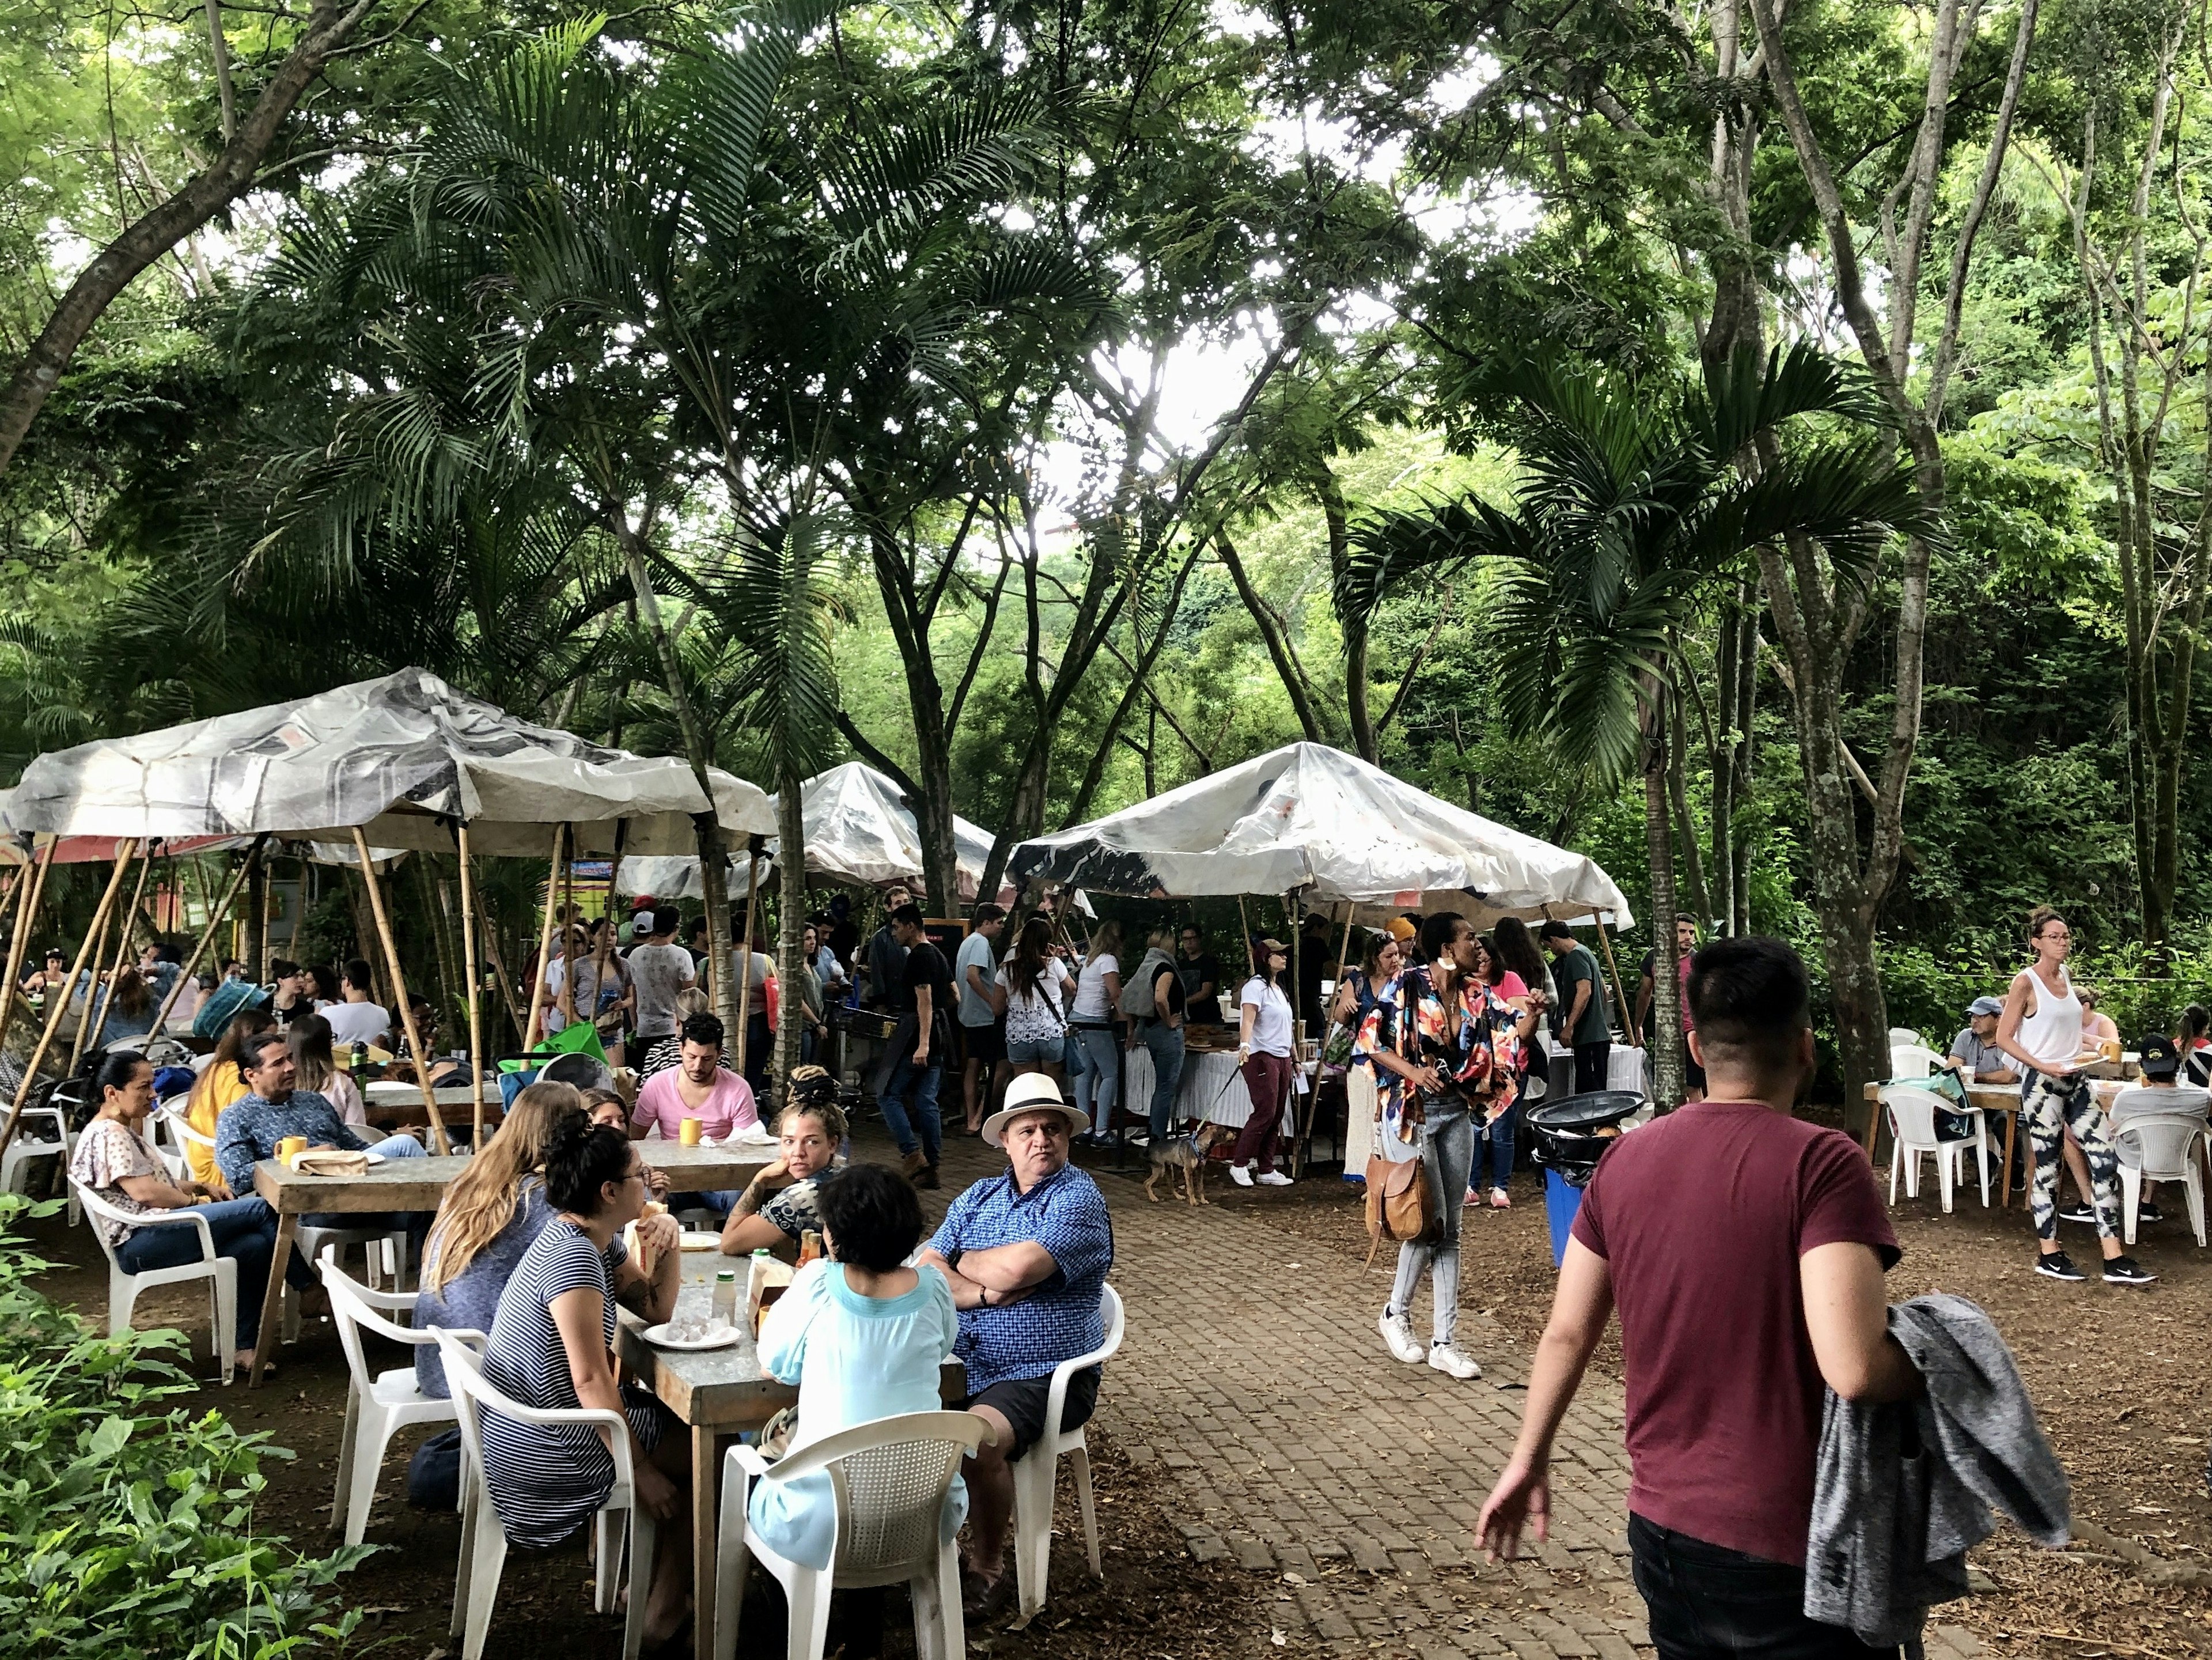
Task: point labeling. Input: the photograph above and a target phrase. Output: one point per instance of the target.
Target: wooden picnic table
(716, 1393)
(419, 1184)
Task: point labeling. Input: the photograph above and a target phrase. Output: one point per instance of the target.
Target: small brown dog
(1186, 1156)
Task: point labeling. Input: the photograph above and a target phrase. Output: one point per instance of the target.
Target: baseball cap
(1982, 1005)
(2159, 1056)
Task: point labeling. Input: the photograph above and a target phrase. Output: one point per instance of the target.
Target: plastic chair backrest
(351, 1308)
(1117, 1321)
(1913, 1061)
(1911, 1116)
(1903, 1036)
(2162, 1144)
(93, 1205)
(891, 1478)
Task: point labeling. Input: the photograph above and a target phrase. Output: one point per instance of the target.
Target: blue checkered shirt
(252, 1126)
(1059, 1319)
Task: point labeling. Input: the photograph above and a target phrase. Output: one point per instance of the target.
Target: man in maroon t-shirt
(1745, 1251)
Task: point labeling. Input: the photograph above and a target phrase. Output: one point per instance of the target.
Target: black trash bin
(1567, 1141)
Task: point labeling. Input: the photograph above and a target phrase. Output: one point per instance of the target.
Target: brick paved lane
(1252, 1380)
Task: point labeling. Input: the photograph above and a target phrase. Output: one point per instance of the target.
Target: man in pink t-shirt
(696, 1087)
(1727, 1215)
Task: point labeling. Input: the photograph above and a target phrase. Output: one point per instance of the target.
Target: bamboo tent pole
(122, 956)
(569, 919)
(1619, 991)
(86, 1025)
(399, 995)
(544, 939)
(54, 1014)
(476, 1000)
(30, 889)
(206, 939)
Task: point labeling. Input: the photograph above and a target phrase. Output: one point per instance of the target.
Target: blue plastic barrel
(1562, 1200)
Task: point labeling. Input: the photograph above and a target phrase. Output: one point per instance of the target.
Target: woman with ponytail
(114, 1163)
(550, 1346)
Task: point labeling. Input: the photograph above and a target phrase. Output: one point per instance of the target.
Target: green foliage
(126, 1521)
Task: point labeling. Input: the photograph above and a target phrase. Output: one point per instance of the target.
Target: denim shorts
(1031, 1051)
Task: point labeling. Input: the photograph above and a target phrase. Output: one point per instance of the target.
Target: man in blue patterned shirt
(252, 1126)
(1026, 1253)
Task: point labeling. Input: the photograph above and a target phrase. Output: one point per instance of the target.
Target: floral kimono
(1470, 1042)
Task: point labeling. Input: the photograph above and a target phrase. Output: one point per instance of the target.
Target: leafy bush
(126, 1524)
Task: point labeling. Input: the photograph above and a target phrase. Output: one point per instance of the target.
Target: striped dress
(547, 1479)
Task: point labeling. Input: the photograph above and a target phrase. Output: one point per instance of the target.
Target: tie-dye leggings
(2049, 1107)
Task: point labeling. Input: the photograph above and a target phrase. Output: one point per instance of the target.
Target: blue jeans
(244, 1230)
(909, 1104)
(1165, 1041)
(1095, 1083)
(1499, 1133)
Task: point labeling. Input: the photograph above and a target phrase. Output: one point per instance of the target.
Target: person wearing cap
(1974, 1055)
(1026, 1253)
(2160, 1093)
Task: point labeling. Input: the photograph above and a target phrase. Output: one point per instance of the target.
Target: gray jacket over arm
(1903, 1491)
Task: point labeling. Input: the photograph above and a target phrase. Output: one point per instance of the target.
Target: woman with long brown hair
(492, 1213)
(1039, 991)
(315, 1063)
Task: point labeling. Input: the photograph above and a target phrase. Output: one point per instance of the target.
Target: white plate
(373, 1156)
(701, 1239)
(658, 1337)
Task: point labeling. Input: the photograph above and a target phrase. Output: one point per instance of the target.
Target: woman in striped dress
(550, 1345)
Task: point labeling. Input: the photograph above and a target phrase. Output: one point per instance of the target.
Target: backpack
(1137, 990)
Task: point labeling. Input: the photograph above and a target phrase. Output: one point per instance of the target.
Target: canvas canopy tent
(858, 829)
(399, 758)
(1311, 820)
(400, 763)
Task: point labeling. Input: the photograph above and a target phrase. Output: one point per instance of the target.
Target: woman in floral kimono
(1443, 1043)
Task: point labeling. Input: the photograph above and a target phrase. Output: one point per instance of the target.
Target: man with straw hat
(1026, 1253)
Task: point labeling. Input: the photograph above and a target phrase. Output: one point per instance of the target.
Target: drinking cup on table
(291, 1147)
(688, 1132)
(2110, 1049)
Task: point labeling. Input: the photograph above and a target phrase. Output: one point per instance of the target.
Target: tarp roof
(398, 757)
(858, 829)
(1312, 818)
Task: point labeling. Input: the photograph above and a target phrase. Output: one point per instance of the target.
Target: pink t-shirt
(728, 1106)
(1702, 1216)
(1510, 986)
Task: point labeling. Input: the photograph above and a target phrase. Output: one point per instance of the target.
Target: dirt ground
(2121, 1379)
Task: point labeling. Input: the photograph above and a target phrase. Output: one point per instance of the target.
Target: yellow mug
(2112, 1049)
(291, 1147)
(688, 1132)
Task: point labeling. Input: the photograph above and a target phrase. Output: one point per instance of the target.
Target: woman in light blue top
(864, 1337)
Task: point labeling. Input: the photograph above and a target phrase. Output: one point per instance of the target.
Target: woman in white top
(1097, 994)
(1039, 993)
(2041, 1027)
(1263, 1054)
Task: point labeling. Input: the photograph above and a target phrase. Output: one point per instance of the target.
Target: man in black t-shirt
(1200, 973)
(913, 1061)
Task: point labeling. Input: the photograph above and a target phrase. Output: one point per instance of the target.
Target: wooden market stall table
(419, 1184)
(391, 1105)
(1210, 1090)
(716, 1393)
(2001, 1101)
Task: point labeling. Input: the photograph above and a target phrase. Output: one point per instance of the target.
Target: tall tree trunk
(1337, 518)
(1678, 792)
(1277, 640)
(146, 239)
(714, 871)
(1666, 988)
(1722, 759)
(791, 922)
(1139, 673)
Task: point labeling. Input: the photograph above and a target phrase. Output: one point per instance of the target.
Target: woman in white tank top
(2041, 1027)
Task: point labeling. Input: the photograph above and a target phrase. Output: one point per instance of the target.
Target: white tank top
(2052, 1031)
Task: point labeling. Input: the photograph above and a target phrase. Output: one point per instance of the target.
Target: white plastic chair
(1903, 1037)
(1913, 1060)
(176, 1137)
(378, 1405)
(890, 1478)
(124, 1286)
(2159, 1147)
(1912, 1133)
(1035, 1473)
(484, 1538)
(55, 1141)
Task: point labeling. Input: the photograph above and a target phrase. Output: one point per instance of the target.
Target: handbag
(1400, 1200)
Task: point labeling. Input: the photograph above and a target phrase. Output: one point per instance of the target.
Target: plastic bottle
(757, 1281)
(725, 1306)
(809, 1247)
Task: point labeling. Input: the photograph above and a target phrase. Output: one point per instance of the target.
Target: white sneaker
(1241, 1174)
(1273, 1178)
(1447, 1359)
(1398, 1333)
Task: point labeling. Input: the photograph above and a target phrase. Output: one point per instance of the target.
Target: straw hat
(1032, 1092)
